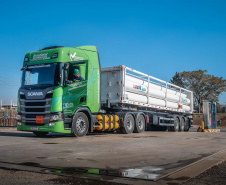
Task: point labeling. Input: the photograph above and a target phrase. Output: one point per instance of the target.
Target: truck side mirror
(65, 77)
(25, 67)
(65, 68)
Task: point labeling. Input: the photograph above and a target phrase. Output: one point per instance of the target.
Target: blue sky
(158, 37)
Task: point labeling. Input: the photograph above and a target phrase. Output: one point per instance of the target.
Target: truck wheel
(187, 126)
(176, 126)
(80, 125)
(140, 124)
(41, 134)
(182, 125)
(128, 124)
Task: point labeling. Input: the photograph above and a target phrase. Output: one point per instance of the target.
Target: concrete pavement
(149, 156)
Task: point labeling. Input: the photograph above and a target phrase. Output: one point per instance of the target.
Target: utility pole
(10, 112)
(1, 103)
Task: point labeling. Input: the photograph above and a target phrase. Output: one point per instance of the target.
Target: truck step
(166, 124)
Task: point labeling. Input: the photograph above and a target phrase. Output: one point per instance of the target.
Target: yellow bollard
(206, 130)
(202, 125)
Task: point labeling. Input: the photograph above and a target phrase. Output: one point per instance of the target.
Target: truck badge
(34, 94)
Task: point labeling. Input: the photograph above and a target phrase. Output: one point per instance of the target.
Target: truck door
(74, 93)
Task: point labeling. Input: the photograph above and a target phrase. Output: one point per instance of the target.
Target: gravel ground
(215, 175)
(14, 177)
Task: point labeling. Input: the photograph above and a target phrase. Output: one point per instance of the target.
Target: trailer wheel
(41, 134)
(182, 125)
(176, 126)
(80, 125)
(187, 125)
(128, 124)
(140, 124)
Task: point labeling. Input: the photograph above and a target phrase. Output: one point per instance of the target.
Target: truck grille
(32, 108)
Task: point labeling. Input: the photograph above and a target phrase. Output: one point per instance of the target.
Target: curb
(190, 171)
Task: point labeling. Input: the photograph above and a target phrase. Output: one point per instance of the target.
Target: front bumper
(58, 127)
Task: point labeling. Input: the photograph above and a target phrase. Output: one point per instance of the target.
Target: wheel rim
(140, 124)
(80, 125)
(129, 124)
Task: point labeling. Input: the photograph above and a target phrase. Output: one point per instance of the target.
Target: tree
(220, 108)
(203, 85)
(177, 80)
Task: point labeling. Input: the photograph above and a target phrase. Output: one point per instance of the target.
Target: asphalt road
(147, 156)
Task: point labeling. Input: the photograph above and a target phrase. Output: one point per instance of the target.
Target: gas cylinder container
(122, 85)
(157, 94)
(152, 87)
(152, 101)
(100, 118)
(100, 125)
(154, 90)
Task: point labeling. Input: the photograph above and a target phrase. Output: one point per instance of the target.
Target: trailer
(137, 96)
(108, 99)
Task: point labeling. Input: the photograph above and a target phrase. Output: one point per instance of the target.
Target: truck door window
(80, 67)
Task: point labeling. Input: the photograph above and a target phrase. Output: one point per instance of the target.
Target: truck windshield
(41, 75)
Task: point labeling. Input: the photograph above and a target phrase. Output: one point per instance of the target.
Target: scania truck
(109, 99)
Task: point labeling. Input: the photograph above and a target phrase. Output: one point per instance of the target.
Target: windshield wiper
(29, 85)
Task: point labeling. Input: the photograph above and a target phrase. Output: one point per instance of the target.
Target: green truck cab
(47, 102)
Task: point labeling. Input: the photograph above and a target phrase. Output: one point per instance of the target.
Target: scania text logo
(35, 94)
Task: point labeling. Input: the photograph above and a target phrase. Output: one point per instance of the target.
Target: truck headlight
(52, 124)
(50, 92)
(56, 117)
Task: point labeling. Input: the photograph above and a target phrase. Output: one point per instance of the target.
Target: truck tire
(40, 134)
(80, 125)
(176, 126)
(140, 124)
(182, 125)
(187, 125)
(128, 124)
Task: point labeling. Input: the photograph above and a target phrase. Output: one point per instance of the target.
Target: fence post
(10, 117)
(3, 120)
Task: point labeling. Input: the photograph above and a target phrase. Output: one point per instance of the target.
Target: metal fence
(7, 122)
(7, 118)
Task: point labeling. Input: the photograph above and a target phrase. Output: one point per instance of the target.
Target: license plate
(34, 128)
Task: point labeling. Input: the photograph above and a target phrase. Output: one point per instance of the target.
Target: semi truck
(109, 99)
